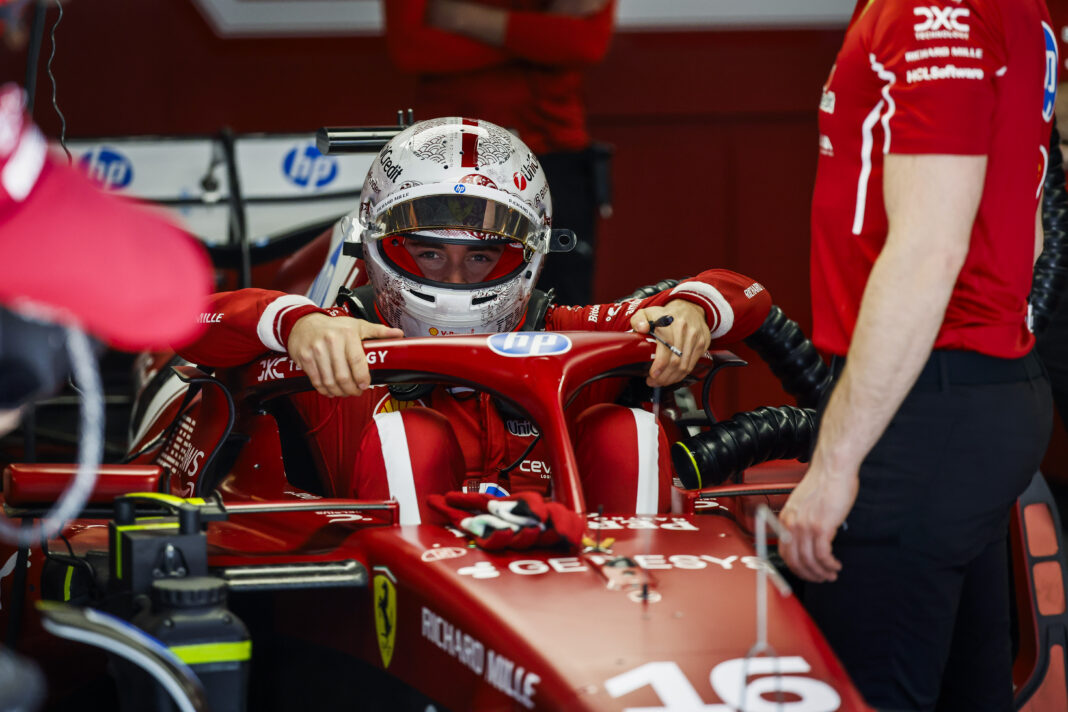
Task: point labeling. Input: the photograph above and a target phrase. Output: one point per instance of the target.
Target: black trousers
(919, 614)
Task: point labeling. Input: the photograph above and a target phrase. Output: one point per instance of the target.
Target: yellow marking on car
(167, 498)
(692, 460)
(205, 653)
(135, 527)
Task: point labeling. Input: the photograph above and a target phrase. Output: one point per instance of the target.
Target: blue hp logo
(529, 343)
(306, 167)
(108, 168)
(1050, 86)
(459, 188)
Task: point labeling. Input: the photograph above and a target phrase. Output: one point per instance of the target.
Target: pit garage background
(710, 106)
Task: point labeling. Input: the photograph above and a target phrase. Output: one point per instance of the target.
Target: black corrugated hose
(792, 358)
(651, 289)
(1051, 270)
(766, 433)
(744, 440)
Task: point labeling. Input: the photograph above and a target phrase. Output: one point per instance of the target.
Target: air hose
(767, 433)
(746, 439)
(792, 358)
(651, 289)
(1051, 269)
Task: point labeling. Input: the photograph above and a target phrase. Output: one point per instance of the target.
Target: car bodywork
(656, 612)
(346, 606)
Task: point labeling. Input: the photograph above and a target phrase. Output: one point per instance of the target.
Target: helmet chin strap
(360, 303)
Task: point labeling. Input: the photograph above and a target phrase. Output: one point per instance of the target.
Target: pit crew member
(454, 228)
(934, 124)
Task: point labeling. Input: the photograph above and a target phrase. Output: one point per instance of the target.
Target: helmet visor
(462, 210)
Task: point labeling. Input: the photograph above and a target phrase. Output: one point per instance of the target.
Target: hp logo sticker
(529, 343)
(459, 188)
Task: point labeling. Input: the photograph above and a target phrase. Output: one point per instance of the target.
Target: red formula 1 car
(256, 592)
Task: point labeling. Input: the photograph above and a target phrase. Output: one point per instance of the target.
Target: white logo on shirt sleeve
(827, 102)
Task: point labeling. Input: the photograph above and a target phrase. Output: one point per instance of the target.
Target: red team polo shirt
(533, 83)
(964, 77)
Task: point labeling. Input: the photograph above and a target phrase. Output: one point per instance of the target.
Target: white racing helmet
(455, 181)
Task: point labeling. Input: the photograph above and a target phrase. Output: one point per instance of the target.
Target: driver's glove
(520, 521)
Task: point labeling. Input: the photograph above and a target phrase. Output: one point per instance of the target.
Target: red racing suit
(246, 324)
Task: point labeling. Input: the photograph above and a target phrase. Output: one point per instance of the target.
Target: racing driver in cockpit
(453, 228)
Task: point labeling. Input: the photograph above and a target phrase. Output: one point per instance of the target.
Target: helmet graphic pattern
(474, 168)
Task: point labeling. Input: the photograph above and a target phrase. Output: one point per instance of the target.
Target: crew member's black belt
(966, 368)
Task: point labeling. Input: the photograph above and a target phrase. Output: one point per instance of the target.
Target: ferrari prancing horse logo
(385, 607)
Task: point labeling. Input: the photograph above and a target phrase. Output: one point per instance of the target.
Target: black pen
(663, 321)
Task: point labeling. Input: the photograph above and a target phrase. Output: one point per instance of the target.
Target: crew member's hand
(688, 332)
(816, 508)
(489, 24)
(445, 14)
(330, 350)
(485, 23)
(577, 8)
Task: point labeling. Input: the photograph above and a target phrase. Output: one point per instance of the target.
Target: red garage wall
(716, 154)
(715, 131)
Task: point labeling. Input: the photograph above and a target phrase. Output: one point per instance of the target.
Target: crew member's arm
(326, 344)
(716, 305)
(931, 202)
(569, 33)
(415, 45)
